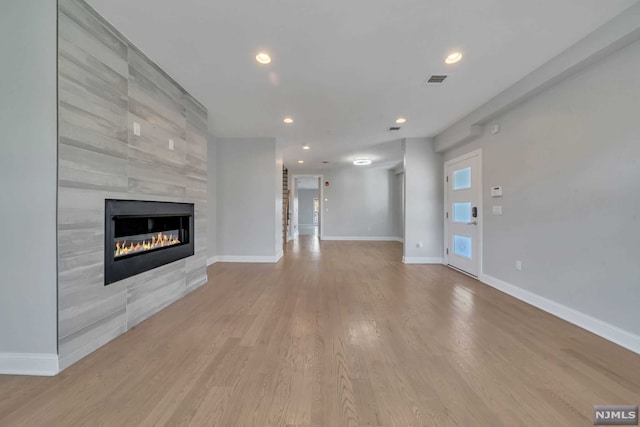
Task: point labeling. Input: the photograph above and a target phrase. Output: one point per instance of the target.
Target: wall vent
(394, 128)
(436, 79)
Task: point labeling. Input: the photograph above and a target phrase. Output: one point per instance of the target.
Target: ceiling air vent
(394, 128)
(436, 79)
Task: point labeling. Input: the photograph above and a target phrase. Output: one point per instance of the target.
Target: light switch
(497, 210)
(136, 129)
(171, 144)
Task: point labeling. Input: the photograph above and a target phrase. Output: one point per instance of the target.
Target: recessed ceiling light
(401, 120)
(288, 120)
(453, 58)
(306, 147)
(362, 161)
(263, 58)
(301, 161)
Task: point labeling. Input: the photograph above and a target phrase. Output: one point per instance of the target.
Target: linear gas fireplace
(141, 236)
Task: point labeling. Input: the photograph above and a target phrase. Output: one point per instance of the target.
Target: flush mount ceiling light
(288, 120)
(362, 161)
(263, 58)
(306, 147)
(301, 161)
(453, 58)
(401, 120)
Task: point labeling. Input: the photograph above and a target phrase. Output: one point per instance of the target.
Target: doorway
(463, 213)
(306, 206)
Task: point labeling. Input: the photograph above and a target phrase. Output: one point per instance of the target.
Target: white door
(319, 208)
(463, 213)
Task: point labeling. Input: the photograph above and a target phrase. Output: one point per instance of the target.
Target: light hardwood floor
(337, 334)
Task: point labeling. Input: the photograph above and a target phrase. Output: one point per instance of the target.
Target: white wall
(279, 239)
(28, 178)
(212, 214)
(398, 203)
(569, 162)
(423, 202)
(246, 194)
(359, 203)
(305, 206)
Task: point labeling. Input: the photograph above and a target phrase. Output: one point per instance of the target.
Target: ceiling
(345, 70)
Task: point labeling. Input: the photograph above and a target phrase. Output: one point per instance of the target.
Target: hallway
(336, 334)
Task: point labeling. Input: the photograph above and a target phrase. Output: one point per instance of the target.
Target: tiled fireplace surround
(106, 84)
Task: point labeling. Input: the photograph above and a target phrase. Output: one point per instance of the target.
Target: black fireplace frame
(119, 269)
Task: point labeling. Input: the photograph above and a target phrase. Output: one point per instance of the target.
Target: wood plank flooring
(336, 334)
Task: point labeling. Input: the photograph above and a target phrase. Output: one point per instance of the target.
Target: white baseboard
(248, 259)
(603, 329)
(45, 365)
(279, 256)
(364, 238)
(212, 260)
(421, 260)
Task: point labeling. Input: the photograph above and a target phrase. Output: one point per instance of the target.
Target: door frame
(294, 194)
(445, 240)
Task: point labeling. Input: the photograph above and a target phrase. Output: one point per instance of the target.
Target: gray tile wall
(105, 84)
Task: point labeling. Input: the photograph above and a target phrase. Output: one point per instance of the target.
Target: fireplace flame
(159, 241)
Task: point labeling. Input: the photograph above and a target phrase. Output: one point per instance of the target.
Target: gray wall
(398, 204)
(212, 194)
(305, 206)
(423, 200)
(360, 203)
(278, 185)
(569, 162)
(246, 181)
(105, 84)
(28, 177)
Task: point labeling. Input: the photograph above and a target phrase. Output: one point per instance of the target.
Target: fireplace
(141, 235)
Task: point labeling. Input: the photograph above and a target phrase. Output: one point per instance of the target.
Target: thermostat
(496, 191)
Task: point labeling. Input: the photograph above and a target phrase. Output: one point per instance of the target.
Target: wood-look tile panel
(88, 306)
(84, 69)
(146, 67)
(94, 25)
(70, 114)
(87, 139)
(154, 143)
(91, 337)
(146, 92)
(113, 111)
(73, 33)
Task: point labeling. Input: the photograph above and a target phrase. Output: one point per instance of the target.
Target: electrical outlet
(518, 265)
(171, 144)
(136, 129)
(497, 210)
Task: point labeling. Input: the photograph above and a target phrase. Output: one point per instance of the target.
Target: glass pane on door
(462, 212)
(462, 179)
(462, 246)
